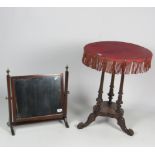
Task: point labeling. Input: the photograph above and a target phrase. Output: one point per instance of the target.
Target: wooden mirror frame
(13, 120)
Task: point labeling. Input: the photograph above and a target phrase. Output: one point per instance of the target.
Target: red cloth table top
(115, 57)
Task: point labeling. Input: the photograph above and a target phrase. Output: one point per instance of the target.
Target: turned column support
(99, 99)
(102, 108)
(120, 93)
(111, 91)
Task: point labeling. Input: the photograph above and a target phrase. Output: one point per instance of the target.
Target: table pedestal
(109, 108)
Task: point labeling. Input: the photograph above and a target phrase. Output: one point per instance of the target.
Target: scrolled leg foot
(130, 132)
(90, 119)
(121, 123)
(80, 125)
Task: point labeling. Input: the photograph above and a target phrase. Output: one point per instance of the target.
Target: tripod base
(109, 110)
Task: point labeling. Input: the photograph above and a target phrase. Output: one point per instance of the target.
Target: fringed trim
(116, 66)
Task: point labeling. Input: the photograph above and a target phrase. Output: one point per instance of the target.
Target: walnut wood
(14, 120)
(66, 123)
(100, 91)
(111, 91)
(120, 93)
(40, 118)
(66, 95)
(112, 110)
(9, 103)
(121, 123)
(120, 119)
(91, 117)
(35, 121)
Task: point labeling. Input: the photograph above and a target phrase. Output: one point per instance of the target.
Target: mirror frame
(14, 120)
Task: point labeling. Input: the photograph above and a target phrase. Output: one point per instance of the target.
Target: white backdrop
(44, 40)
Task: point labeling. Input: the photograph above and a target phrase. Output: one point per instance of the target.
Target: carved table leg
(109, 108)
(91, 117)
(96, 108)
(121, 123)
(120, 119)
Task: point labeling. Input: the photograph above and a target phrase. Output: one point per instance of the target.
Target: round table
(116, 58)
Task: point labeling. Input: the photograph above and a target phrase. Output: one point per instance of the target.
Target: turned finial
(66, 67)
(7, 71)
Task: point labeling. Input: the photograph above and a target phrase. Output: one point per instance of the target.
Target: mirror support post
(9, 102)
(65, 96)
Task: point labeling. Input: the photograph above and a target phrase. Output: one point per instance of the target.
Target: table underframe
(109, 108)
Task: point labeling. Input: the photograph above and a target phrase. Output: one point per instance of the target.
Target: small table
(115, 58)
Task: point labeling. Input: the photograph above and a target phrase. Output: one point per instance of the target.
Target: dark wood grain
(36, 98)
(10, 103)
(100, 91)
(108, 108)
(66, 96)
(111, 91)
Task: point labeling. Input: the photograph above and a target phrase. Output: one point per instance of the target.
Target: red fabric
(112, 56)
